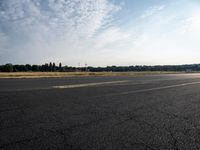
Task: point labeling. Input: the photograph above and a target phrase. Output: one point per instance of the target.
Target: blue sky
(100, 32)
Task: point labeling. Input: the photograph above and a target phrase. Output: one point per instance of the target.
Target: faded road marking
(164, 87)
(152, 89)
(87, 84)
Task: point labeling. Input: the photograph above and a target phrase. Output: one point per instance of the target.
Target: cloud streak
(152, 11)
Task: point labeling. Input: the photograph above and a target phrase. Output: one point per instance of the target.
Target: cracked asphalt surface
(149, 112)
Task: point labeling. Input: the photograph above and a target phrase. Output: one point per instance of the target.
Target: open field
(101, 113)
(73, 74)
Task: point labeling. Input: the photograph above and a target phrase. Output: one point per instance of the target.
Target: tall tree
(54, 67)
(60, 66)
(50, 66)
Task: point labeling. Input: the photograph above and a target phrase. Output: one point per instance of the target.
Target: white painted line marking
(154, 89)
(87, 84)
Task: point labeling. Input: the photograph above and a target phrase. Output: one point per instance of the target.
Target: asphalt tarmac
(101, 113)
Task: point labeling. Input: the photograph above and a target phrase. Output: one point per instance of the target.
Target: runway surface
(101, 113)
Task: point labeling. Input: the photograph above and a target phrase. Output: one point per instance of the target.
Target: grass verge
(74, 74)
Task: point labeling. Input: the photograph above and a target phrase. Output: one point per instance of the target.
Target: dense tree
(35, 68)
(28, 67)
(46, 67)
(8, 68)
(52, 67)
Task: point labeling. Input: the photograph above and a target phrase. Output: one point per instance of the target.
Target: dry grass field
(74, 74)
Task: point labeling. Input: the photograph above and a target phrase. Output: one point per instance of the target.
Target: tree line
(52, 67)
(47, 67)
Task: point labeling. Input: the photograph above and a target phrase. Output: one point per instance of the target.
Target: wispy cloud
(111, 35)
(47, 24)
(152, 11)
(65, 17)
(168, 38)
(191, 24)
